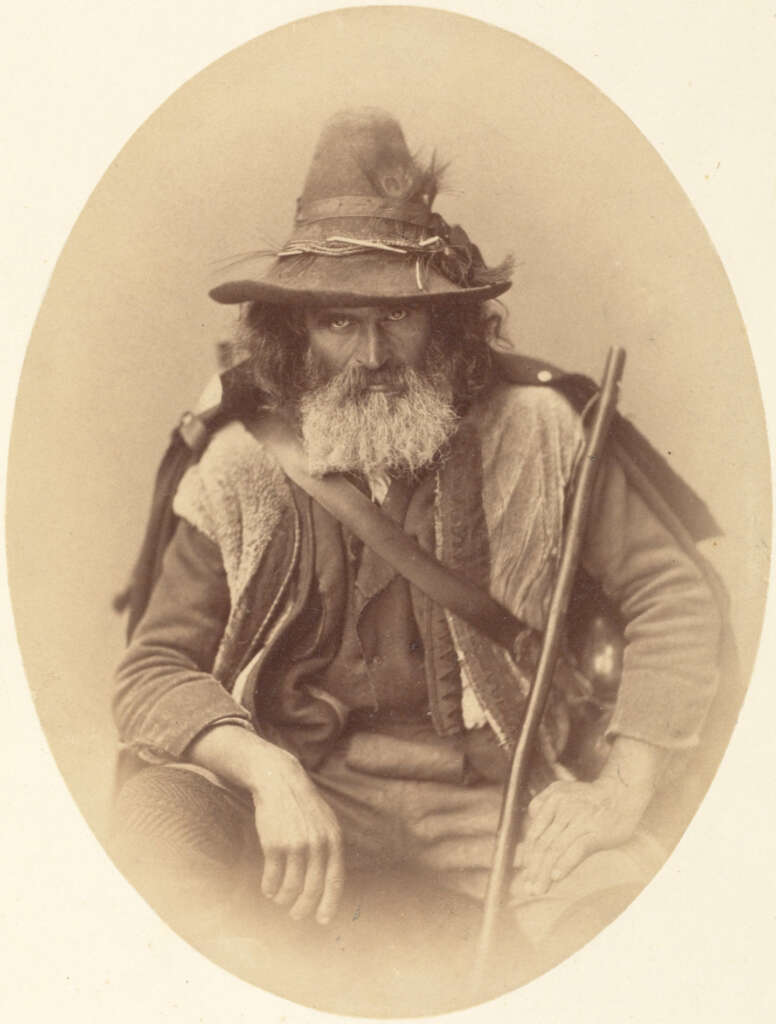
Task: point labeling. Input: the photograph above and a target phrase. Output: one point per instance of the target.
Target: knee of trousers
(591, 895)
(174, 830)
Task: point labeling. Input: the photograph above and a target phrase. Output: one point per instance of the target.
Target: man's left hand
(570, 820)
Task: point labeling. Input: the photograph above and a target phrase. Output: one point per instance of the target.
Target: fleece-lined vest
(503, 529)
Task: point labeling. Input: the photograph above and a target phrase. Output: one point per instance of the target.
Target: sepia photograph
(388, 517)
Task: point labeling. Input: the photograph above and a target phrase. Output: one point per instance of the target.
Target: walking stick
(509, 821)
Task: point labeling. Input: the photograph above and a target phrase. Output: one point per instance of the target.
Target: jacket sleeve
(672, 618)
(165, 695)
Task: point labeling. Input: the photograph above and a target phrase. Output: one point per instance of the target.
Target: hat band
(362, 206)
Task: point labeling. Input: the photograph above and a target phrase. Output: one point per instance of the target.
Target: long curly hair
(273, 341)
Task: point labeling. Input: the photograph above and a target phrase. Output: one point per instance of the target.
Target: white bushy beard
(348, 427)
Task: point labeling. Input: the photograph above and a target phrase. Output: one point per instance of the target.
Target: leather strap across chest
(387, 538)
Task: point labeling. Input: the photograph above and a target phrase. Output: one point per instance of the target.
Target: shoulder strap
(239, 397)
(643, 464)
(187, 442)
(387, 539)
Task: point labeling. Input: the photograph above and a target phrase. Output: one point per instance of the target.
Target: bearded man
(302, 709)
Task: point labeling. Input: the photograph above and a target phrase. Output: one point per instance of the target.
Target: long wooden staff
(509, 822)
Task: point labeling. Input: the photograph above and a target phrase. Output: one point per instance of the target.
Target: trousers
(196, 837)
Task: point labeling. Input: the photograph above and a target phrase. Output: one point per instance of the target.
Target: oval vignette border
(153, 459)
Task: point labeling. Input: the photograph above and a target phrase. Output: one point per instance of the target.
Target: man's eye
(398, 314)
(338, 323)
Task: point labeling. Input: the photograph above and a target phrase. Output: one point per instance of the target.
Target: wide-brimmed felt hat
(364, 231)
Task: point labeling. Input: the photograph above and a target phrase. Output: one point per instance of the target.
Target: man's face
(378, 398)
(376, 339)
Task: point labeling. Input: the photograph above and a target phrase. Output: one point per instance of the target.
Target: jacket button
(544, 376)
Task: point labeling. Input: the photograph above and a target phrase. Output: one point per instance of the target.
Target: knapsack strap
(386, 538)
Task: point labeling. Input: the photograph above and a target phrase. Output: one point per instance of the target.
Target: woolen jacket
(239, 571)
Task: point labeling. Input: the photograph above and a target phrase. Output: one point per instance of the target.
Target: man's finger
(564, 811)
(572, 855)
(540, 821)
(541, 798)
(313, 880)
(293, 879)
(541, 859)
(333, 883)
(272, 876)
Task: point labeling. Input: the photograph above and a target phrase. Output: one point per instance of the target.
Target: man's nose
(373, 350)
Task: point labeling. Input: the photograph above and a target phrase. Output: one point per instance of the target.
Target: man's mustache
(356, 381)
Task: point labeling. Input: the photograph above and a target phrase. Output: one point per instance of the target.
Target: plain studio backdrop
(608, 251)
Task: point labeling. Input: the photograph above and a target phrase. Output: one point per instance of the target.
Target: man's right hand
(301, 840)
(298, 831)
